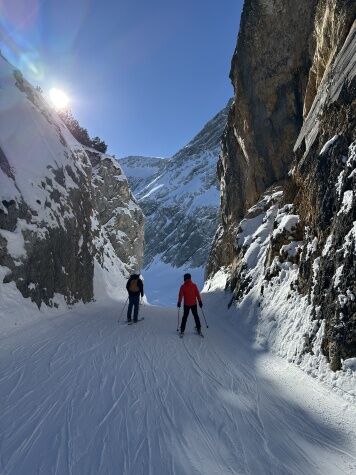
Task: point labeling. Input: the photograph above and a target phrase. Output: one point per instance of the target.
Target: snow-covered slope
(180, 198)
(83, 395)
(63, 208)
(269, 244)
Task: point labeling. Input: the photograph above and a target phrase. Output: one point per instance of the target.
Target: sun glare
(59, 99)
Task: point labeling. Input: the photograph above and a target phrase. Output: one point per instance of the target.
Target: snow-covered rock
(67, 217)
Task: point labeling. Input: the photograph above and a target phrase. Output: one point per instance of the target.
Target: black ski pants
(194, 310)
(134, 301)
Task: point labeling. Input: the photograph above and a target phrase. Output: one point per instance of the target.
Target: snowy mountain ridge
(140, 171)
(174, 193)
(179, 197)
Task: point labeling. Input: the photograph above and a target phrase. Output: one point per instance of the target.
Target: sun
(59, 98)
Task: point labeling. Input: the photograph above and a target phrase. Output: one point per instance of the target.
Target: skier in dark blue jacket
(134, 287)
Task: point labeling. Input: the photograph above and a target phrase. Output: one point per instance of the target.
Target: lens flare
(59, 98)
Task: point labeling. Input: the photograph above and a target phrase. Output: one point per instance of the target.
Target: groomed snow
(81, 394)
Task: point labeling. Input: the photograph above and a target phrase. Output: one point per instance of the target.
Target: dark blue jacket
(139, 284)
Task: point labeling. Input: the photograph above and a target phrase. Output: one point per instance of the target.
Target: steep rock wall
(53, 225)
(325, 180)
(269, 73)
(306, 260)
(333, 20)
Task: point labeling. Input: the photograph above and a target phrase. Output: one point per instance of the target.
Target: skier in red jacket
(189, 291)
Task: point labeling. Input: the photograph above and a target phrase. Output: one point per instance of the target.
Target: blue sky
(144, 75)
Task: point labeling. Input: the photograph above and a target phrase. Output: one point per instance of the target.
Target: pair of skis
(130, 322)
(181, 335)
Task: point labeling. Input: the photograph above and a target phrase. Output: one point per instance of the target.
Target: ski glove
(200, 304)
(178, 304)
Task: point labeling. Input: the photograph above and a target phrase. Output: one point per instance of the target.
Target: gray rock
(118, 212)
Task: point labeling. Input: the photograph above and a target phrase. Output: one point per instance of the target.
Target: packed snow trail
(83, 395)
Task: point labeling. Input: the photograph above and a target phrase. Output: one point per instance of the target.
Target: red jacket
(190, 293)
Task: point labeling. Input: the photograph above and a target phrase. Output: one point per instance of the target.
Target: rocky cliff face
(269, 73)
(117, 211)
(179, 197)
(292, 126)
(324, 177)
(66, 212)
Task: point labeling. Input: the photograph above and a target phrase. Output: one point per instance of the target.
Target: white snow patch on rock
(328, 144)
(15, 241)
(347, 200)
(338, 275)
(286, 223)
(327, 246)
(217, 281)
(292, 248)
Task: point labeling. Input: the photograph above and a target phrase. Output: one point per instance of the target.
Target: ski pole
(178, 321)
(122, 311)
(206, 323)
(139, 308)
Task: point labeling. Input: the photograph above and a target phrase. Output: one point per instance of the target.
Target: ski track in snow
(81, 394)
